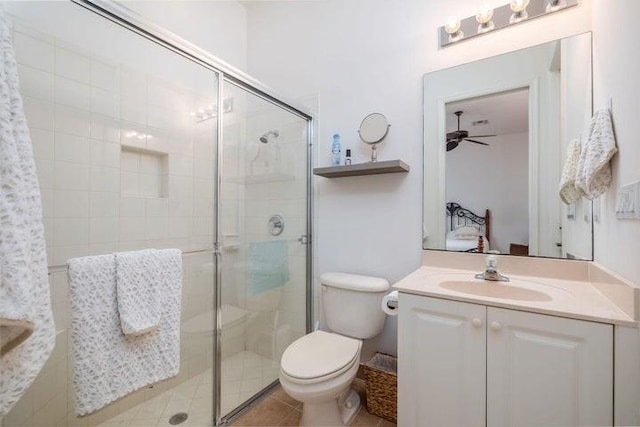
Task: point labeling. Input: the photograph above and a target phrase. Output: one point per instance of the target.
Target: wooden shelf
(387, 166)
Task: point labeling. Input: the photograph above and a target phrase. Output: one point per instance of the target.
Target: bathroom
(334, 62)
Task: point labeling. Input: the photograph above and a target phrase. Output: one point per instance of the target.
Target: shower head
(265, 138)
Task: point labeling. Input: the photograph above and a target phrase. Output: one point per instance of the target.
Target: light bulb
(519, 8)
(519, 5)
(453, 25)
(554, 5)
(484, 15)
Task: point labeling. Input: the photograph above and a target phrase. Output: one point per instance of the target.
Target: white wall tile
(104, 153)
(180, 227)
(132, 229)
(72, 93)
(72, 65)
(150, 185)
(132, 207)
(150, 164)
(45, 171)
(129, 161)
(180, 187)
(72, 120)
(180, 207)
(105, 76)
(71, 204)
(157, 228)
(181, 165)
(129, 183)
(46, 195)
(34, 53)
(104, 204)
(105, 102)
(36, 83)
(40, 114)
(42, 141)
(71, 148)
(105, 128)
(71, 176)
(105, 179)
(133, 135)
(157, 207)
(70, 231)
(104, 230)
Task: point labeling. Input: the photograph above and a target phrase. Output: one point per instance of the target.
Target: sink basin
(495, 290)
(515, 290)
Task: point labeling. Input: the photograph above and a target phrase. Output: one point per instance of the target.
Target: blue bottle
(335, 150)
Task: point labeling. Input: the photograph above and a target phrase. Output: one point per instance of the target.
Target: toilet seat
(319, 356)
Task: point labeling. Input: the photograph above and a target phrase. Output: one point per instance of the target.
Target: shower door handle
(304, 239)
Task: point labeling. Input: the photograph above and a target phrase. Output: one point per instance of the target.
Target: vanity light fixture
(211, 111)
(519, 8)
(488, 19)
(555, 5)
(484, 18)
(452, 27)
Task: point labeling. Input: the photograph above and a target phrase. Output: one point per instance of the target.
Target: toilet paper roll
(390, 303)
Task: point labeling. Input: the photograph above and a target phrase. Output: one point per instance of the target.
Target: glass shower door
(263, 235)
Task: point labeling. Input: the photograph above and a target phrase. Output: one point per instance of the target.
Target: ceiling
(507, 113)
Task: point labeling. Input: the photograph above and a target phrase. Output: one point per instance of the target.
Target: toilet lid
(319, 354)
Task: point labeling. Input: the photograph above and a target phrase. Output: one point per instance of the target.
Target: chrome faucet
(491, 269)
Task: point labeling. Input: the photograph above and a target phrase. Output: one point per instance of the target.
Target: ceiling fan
(454, 138)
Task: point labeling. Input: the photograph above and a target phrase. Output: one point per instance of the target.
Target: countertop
(573, 299)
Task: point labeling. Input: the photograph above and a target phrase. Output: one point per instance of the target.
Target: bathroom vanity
(542, 349)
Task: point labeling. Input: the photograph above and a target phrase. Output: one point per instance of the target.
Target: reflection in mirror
(495, 136)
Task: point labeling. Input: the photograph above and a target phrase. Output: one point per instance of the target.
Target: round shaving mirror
(373, 129)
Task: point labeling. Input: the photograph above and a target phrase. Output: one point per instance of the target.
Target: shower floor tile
(243, 375)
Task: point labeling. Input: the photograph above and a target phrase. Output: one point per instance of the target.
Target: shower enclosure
(143, 141)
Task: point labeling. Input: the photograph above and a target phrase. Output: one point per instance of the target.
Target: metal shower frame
(130, 20)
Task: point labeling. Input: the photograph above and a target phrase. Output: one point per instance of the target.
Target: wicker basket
(381, 379)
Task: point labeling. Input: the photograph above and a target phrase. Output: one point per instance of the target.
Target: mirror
(373, 129)
(496, 133)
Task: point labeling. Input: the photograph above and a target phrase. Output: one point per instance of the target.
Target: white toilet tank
(351, 304)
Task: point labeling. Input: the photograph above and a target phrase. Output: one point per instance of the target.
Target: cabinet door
(441, 362)
(545, 370)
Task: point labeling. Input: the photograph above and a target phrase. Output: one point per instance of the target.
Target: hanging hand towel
(138, 280)
(593, 176)
(27, 331)
(107, 364)
(569, 193)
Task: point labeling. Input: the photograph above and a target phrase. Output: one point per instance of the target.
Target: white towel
(138, 291)
(594, 171)
(27, 331)
(569, 193)
(106, 363)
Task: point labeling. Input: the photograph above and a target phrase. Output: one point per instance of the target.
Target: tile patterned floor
(243, 375)
(278, 409)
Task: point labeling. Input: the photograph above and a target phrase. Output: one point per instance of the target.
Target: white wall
(616, 69)
(219, 27)
(361, 56)
(503, 186)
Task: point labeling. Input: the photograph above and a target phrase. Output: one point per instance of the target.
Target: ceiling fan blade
(477, 142)
(452, 144)
(481, 136)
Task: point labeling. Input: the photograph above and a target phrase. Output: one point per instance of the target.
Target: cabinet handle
(476, 322)
(495, 326)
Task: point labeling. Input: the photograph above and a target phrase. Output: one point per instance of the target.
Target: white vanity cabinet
(462, 364)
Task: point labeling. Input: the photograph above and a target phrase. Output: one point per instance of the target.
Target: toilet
(318, 368)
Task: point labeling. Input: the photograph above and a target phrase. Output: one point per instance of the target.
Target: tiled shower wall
(122, 165)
